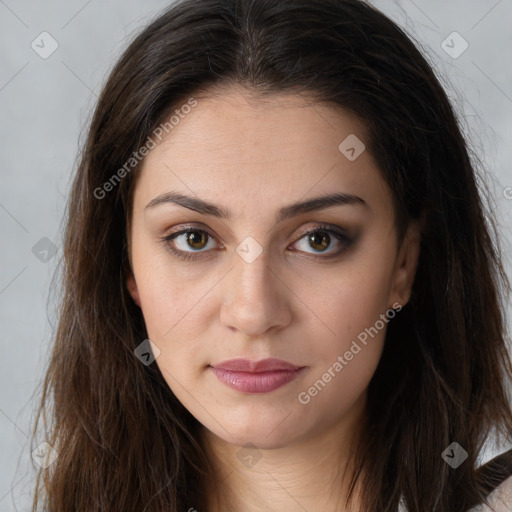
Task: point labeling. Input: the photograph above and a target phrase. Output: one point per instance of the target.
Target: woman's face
(256, 284)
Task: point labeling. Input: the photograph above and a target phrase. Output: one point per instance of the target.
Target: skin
(285, 304)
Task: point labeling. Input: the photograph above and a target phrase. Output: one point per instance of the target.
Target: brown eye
(197, 239)
(186, 243)
(319, 240)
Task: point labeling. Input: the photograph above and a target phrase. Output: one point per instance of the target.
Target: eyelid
(340, 234)
(186, 228)
(321, 226)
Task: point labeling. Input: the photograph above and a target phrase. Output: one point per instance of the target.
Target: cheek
(176, 310)
(350, 356)
(353, 305)
(352, 299)
(346, 359)
(169, 291)
(167, 313)
(170, 322)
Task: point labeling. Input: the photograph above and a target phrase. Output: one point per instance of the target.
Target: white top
(500, 499)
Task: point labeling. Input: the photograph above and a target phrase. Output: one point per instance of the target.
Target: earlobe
(132, 288)
(407, 263)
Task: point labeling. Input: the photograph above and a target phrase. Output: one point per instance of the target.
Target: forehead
(281, 145)
(239, 125)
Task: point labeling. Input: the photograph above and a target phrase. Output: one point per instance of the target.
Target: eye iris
(319, 238)
(195, 237)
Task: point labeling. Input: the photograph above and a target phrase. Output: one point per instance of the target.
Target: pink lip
(256, 376)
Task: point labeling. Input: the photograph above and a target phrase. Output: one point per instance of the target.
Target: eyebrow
(287, 212)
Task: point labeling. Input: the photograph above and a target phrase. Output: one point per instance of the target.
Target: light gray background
(46, 103)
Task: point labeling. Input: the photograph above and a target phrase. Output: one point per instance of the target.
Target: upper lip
(264, 365)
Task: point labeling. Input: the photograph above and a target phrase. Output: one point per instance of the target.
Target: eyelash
(185, 255)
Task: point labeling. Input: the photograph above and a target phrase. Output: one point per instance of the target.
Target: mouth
(261, 376)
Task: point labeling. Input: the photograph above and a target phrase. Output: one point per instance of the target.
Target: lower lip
(250, 382)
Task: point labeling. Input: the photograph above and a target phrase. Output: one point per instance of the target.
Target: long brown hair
(124, 441)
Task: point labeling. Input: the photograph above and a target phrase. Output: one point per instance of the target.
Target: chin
(258, 436)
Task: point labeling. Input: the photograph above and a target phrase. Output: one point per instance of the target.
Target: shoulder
(500, 499)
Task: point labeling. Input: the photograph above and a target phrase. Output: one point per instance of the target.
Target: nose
(256, 299)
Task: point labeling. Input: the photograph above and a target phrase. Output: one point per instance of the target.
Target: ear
(132, 288)
(406, 264)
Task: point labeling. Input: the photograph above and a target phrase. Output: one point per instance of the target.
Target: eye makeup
(323, 234)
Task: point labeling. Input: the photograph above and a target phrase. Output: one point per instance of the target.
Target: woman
(281, 289)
